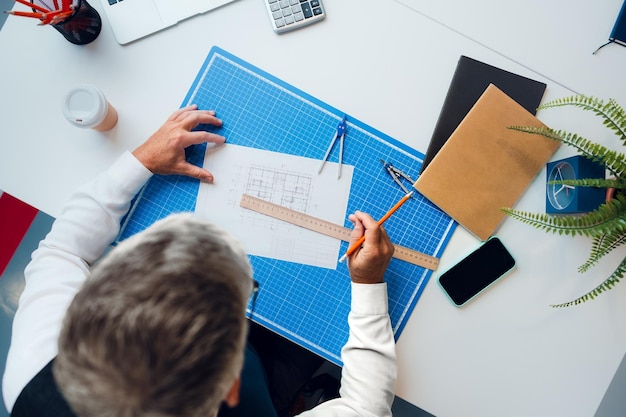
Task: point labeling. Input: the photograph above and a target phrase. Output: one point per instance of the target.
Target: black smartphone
(476, 271)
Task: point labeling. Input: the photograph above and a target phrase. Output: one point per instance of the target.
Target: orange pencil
(56, 17)
(359, 242)
(26, 14)
(33, 5)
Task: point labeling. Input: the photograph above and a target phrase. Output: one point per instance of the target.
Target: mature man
(157, 328)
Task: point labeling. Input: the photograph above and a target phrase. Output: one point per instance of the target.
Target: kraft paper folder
(471, 78)
(484, 165)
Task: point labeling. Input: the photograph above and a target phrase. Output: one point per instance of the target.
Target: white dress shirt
(83, 232)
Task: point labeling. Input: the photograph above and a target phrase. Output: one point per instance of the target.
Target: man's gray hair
(159, 328)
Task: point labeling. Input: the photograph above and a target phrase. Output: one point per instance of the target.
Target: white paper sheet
(287, 180)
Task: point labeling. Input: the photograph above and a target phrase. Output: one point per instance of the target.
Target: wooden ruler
(329, 229)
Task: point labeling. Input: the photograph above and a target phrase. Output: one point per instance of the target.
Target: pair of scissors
(397, 174)
(339, 134)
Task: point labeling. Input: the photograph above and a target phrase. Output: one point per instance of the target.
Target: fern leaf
(607, 218)
(613, 115)
(614, 161)
(607, 224)
(602, 245)
(605, 286)
(594, 182)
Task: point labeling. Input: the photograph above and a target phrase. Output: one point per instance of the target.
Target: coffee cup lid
(85, 106)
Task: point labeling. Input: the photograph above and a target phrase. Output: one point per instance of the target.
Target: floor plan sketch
(289, 189)
(287, 180)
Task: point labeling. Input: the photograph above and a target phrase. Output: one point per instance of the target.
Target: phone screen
(476, 271)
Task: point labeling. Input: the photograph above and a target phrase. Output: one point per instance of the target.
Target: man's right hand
(368, 264)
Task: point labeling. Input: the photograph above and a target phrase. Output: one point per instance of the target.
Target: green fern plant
(606, 225)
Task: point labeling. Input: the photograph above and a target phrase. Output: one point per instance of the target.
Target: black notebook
(470, 80)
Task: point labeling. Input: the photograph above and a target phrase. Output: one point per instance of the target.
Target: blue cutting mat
(308, 305)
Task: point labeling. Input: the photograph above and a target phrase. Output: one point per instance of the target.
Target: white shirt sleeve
(60, 265)
(369, 359)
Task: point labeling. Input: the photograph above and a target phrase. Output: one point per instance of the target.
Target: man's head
(159, 329)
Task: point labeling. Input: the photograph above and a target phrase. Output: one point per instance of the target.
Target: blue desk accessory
(618, 33)
(567, 199)
(308, 305)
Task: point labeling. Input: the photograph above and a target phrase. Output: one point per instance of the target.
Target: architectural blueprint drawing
(287, 180)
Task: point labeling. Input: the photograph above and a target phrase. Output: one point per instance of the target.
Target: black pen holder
(83, 26)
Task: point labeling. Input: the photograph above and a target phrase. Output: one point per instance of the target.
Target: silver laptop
(134, 19)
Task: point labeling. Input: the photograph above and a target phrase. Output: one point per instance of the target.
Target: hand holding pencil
(355, 245)
(369, 261)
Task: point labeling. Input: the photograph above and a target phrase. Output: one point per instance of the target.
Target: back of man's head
(159, 328)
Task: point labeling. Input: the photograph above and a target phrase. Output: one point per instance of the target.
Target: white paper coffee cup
(86, 106)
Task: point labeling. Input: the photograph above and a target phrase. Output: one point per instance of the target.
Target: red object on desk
(15, 219)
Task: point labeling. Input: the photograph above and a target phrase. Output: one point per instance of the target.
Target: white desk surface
(506, 353)
(554, 38)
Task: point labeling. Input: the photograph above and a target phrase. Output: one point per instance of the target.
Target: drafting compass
(339, 135)
(397, 175)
